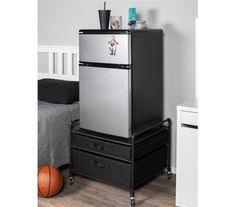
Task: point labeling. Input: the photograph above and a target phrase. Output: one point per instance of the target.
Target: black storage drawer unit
(127, 163)
(101, 168)
(99, 146)
(117, 172)
(118, 147)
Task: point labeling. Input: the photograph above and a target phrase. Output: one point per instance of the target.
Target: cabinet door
(186, 182)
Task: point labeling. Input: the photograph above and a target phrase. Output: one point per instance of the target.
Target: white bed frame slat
(50, 63)
(59, 63)
(60, 51)
(69, 64)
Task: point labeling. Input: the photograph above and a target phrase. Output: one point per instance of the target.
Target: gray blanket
(53, 132)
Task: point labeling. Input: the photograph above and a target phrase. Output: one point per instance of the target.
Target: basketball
(50, 181)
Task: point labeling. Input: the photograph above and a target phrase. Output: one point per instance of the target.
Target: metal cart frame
(132, 145)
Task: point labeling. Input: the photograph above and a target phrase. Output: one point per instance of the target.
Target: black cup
(104, 16)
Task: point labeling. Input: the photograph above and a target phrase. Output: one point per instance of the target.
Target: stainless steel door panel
(105, 48)
(105, 100)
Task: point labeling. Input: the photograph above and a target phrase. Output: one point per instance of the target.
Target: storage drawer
(95, 145)
(189, 118)
(98, 167)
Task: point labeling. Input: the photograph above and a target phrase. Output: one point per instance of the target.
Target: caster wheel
(132, 201)
(169, 175)
(71, 180)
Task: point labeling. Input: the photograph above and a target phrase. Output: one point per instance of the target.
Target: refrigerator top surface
(122, 31)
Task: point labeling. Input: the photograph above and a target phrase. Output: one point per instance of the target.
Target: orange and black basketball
(50, 181)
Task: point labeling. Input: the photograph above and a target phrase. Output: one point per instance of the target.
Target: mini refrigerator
(121, 80)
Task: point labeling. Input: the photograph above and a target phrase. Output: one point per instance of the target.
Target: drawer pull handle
(98, 164)
(98, 147)
(189, 126)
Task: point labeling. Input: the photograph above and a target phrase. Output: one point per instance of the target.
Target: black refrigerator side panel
(147, 77)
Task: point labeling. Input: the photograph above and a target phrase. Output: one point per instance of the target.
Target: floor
(160, 192)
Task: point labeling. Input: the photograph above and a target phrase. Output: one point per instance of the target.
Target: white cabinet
(186, 164)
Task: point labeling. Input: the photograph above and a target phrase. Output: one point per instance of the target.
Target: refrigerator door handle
(106, 65)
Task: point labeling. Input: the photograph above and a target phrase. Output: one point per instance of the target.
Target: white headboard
(59, 58)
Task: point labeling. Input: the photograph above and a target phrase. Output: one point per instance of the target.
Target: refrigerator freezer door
(105, 100)
(105, 48)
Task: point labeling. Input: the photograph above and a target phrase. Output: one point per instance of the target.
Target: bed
(53, 132)
(54, 111)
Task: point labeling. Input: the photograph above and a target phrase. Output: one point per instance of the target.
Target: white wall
(60, 20)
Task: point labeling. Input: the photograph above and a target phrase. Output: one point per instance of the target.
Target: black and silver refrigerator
(121, 80)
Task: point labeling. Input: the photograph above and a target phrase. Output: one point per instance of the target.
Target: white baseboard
(173, 170)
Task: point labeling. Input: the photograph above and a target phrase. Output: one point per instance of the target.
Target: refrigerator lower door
(105, 100)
